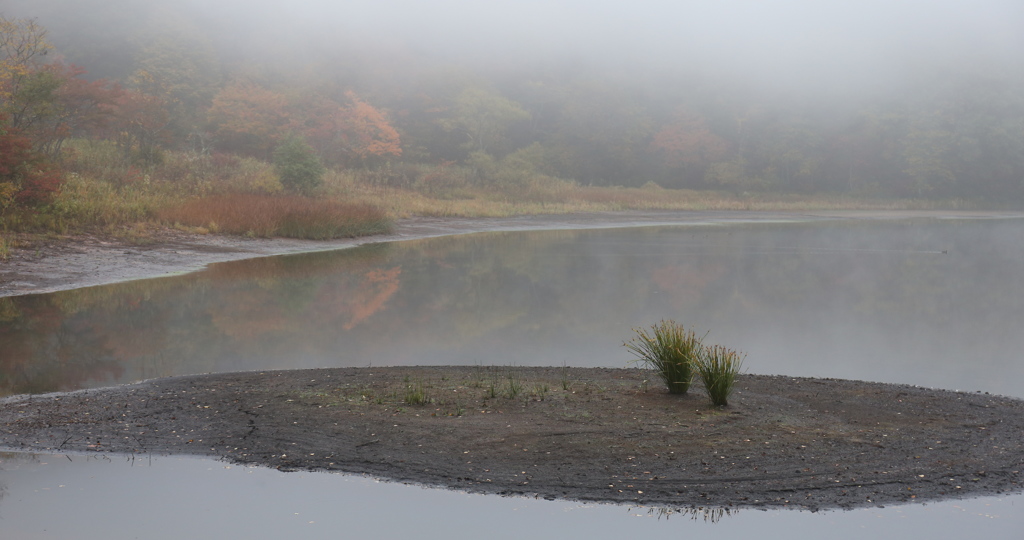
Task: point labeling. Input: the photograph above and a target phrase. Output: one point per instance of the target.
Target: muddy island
(589, 434)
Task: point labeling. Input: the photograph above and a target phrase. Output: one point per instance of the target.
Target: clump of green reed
(5, 248)
(717, 368)
(670, 350)
(415, 393)
(515, 385)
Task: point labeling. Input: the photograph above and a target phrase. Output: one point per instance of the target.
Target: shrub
(670, 350)
(717, 367)
(299, 168)
(288, 216)
(27, 179)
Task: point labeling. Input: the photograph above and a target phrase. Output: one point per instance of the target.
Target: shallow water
(115, 497)
(934, 303)
(927, 302)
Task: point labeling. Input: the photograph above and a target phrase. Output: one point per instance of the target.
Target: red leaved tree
(356, 132)
(26, 177)
(688, 141)
(247, 118)
(136, 121)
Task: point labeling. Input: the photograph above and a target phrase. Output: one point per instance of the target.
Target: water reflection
(174, 498)
(707, 514)
(934, 303)
(877, 301)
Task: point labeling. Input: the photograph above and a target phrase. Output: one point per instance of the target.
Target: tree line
(369, 107)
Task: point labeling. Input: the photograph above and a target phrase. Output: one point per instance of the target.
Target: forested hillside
(181, 91)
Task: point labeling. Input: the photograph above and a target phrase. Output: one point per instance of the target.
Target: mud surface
(41, 265)
(572, 433)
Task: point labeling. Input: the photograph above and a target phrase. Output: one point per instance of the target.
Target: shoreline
(783, 441)
(603, 436)
(87, 260)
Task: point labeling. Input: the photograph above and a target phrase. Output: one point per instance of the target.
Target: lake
(924, 301)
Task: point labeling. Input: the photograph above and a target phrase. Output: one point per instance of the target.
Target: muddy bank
(48, 265)
(573, 433)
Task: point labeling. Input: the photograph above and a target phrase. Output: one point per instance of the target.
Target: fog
(793, 45)
(802, 46)
(908, 99)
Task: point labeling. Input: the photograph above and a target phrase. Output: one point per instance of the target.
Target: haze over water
(923, 302)
(918, 302)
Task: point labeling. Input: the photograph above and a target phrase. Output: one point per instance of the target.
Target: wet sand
(590, 434)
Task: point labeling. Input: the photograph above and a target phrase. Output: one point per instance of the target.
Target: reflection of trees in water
(522, 297)
(189, 324)
(708, 514)
(45, 350)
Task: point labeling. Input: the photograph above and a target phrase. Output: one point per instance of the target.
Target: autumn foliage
(250, 119)
(26, 178)
(177, 98)
(688, 141)
(288, 216)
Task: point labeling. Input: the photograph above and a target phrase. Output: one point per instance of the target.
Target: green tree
(298, 166)
(485, 118)
(28, 91)
(927, 152)
(732, 175)
(176, 62)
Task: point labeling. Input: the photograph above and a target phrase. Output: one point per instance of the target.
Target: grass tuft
(415, 393)
(564, 379)
(670, 350)
(515, 385)
(717, 367)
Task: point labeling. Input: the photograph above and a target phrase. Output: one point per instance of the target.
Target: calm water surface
(927, 302)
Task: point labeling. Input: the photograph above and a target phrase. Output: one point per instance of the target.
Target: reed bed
(286, 216)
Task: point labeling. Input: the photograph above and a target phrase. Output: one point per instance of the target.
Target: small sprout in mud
(415, 393)
(566, 382)
(717, 367)
(541, 391)
(515, 385)
(670, 350)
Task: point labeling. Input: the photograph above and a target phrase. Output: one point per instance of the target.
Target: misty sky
(808, 45)
(789, 44)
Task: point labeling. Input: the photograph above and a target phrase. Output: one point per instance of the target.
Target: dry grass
(87, 203)
(287, 216)
(479, 202)
(224, 193)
